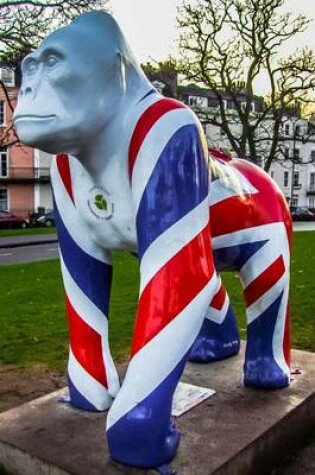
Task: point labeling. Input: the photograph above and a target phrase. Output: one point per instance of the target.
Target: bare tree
(23, 24)
(226, 45)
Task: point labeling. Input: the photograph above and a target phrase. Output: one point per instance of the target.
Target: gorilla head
(75, 84)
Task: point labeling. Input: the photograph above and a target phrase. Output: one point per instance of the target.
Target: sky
(150, 25)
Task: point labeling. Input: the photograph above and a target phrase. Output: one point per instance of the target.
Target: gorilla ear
(121, 70)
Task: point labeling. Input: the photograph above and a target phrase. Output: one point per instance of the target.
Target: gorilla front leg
(170, 314)
(87, 275)
(219, 336)
(169, 179)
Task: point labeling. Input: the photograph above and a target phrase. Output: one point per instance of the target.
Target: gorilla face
(69, 92)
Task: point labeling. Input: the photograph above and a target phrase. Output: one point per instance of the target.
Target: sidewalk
(27, 240)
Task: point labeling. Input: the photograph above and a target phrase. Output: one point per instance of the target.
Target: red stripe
(287, 337)
(219, 298)
(264, 281)
(173, 288)
(86, 345)
(64, 171)
(145, 123)
(247, 211)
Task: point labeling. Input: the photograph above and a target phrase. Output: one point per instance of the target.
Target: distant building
(294, 169)
(24, 172)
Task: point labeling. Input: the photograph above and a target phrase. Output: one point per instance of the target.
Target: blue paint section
(91, 275)
(179, 182)
(234, 257)
(260, 368)
(216, 341)
(144, 437)
(78, 400)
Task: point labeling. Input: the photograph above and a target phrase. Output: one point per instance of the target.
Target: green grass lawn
(33, 322)
(26, 232)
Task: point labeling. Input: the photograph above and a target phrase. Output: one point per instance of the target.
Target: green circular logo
(100, 202)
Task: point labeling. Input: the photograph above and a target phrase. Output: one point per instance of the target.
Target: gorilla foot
(100, 401)
(139, 447)
(216, 341)
(265, 373)
(206, 350)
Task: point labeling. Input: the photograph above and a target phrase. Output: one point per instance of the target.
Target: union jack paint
(193, 214)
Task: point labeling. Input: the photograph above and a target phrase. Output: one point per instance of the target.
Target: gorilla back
(132, 173)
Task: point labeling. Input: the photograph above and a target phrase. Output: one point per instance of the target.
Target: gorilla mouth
(34, 118)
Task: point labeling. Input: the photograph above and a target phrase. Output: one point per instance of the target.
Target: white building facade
(294, 169)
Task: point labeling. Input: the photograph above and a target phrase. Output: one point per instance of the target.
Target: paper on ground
(187, 396)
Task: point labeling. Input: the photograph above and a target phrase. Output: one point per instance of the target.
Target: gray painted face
(74, 84)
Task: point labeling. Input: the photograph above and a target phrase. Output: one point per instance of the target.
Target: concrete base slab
(236, 432)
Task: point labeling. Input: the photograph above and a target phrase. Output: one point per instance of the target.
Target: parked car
(47, 219)
(302, 214)
(10, 220)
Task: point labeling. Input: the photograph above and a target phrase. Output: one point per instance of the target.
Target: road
(22, 254)
(304, 226)
(49, 250)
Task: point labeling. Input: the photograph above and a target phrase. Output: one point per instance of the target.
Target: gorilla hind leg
(219, 336)
(265, 280)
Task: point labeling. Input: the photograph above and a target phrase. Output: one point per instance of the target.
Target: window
(287, 129)
(296, 154)
(192, 101)
(272, 174)
(298, 130)
(312, 181)
(312, 156)
(3, 199)
(286, 153)
(295, 201)
(312, 202)
(2, 113)
(286, 179)
(7, 76)
(3, 162)
(296, 178)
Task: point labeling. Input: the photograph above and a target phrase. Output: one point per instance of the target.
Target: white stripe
(274, 233)
(256, 233)
(175, 238)
(162, 353)
(95, 319)
(276, 246)
(82, 305)
(218, 316)
(154, 144)
(92, 390)
(230, 183)
(75, 225)
(264, 301)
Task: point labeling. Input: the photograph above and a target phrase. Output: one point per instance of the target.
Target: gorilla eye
(51, 61)
(31, 67)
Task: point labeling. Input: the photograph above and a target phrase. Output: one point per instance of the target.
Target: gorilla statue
(132, 171)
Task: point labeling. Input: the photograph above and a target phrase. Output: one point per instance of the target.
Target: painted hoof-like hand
(264, 373)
